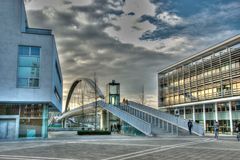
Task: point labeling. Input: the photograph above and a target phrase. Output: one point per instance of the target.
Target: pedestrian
(216, 129)
(115, 128)
(190, 125)
(238, 131)
(118, 127)
(111, 127)
(124, 101)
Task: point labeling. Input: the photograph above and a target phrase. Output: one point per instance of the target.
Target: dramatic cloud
(130, 40)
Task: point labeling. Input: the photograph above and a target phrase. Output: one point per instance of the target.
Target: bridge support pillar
(64, 125)
(104, 120)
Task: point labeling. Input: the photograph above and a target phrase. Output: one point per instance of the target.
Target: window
(57, 94)
(58, 72)
(28, 66)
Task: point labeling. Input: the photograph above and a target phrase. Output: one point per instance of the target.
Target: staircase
(160, 123)
(136, 122)
(165, 121)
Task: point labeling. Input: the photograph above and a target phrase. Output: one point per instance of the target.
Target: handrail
(177, 121)
(138, 123)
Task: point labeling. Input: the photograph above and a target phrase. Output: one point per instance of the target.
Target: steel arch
(90, 82)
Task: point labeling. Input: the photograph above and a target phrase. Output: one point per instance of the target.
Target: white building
(205, 87)
(30, 74)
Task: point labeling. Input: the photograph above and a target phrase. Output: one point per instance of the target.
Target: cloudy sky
(131, 40)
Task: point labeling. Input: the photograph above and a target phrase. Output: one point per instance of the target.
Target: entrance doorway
(7, 128)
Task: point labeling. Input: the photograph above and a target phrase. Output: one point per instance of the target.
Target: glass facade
(113, 93)
(28, 67)
(9, 109)
(211, 75)
(33, 118)
(207, 114)
(208, 77)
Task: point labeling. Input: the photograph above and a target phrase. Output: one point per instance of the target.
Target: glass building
(205, 87)
(113, 93)
(31, 79)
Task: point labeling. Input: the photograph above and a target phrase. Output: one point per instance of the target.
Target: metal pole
(95, 90)
(177, 126)
(83, 116)
(230, 116)
(143, 95)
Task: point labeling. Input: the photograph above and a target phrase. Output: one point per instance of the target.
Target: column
(184, 112)
(193, 113)
(108, 121)
(45, 121)
(62, 123)
(230, 116)
(103, 122)
(167, 127)
(216, 111)
(204, 118)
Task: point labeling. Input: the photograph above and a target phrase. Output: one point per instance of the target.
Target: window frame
(28, 78)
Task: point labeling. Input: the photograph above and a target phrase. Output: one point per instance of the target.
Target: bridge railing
(153, 115)
(142, 117)
(127, 117)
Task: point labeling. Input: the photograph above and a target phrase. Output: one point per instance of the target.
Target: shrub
(82, 132)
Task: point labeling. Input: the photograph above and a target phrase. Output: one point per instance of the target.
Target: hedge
(93, 132)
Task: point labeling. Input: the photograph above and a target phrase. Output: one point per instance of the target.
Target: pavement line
(167, 148)
(18, 158)
(118, 144)
(30, 157)
(28, 147)
(129, 154)
(153, 150)
(210, 148)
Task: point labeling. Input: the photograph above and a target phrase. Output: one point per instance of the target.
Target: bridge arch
(91, 84)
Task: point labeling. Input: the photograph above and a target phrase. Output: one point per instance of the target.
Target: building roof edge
(215, 47)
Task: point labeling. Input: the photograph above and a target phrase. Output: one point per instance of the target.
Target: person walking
(115, 128)
(111, 127)
(216, 129)
(190, 125)
(238, 131)
(126, 102)
(118, 127)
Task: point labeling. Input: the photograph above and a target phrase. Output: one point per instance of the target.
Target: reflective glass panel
(22, 82)
(28, 66)
(28, 72)
(33, 82)
(35, 51)
(23, 50)
(29, 61)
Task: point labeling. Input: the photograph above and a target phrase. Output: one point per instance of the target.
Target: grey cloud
(79, 50)
(67, 2)
(99, 10)
(131, 13)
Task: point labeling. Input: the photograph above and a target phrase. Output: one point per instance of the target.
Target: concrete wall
(12, 34)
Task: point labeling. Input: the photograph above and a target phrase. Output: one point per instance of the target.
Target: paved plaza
(69, 146)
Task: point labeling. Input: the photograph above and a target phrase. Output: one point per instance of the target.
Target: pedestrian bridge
(146, 119)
